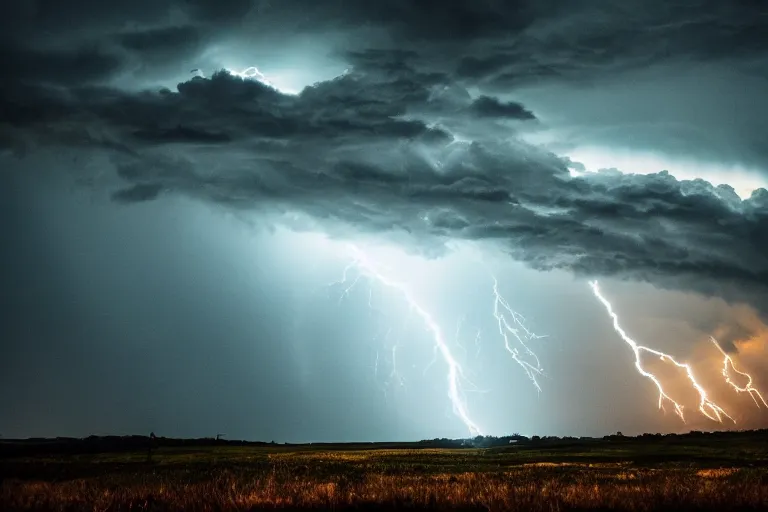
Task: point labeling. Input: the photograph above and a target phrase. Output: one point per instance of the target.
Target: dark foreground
(680, 473)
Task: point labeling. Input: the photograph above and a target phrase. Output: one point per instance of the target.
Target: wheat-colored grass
(286, 483)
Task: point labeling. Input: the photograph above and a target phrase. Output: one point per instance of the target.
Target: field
(717, 472)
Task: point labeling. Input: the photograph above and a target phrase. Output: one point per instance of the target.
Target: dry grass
(381, 480)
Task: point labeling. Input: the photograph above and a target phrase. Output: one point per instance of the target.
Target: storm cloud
(403, 141)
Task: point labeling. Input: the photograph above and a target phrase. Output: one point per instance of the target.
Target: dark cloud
(220, 10)
(399, 142)
(485, 106)
(159, 42)
(596, 38)
(68, 66)
(137, 193)
(414, 22)
(180, 134)
(491, 42)
(375, 166)
(39, 19)
(434, 19)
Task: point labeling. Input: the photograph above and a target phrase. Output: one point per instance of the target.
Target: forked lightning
(511, 323)
(706, 406)
(728, 366)
(511, 327)
(367, 268)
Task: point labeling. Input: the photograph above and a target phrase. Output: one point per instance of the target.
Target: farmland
(725, 471)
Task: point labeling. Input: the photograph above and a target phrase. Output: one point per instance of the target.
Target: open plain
(717, 472)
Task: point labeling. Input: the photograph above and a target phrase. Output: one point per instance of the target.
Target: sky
(368, 221)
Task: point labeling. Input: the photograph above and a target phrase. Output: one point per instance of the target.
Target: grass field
(678, 474)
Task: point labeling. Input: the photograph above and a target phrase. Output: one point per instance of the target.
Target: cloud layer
(404, 142)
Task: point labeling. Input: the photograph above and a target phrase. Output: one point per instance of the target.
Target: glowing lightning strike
(369, 269)
(708, 408)
(252, 73)
(504, 314)
(748, 388)
(477, 343)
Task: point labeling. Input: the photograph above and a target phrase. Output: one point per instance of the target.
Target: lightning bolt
(252, 73)
(512, 325)
(394, 374)
(457, 335)
(728, 366)
(706, 406)
(367, 268)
